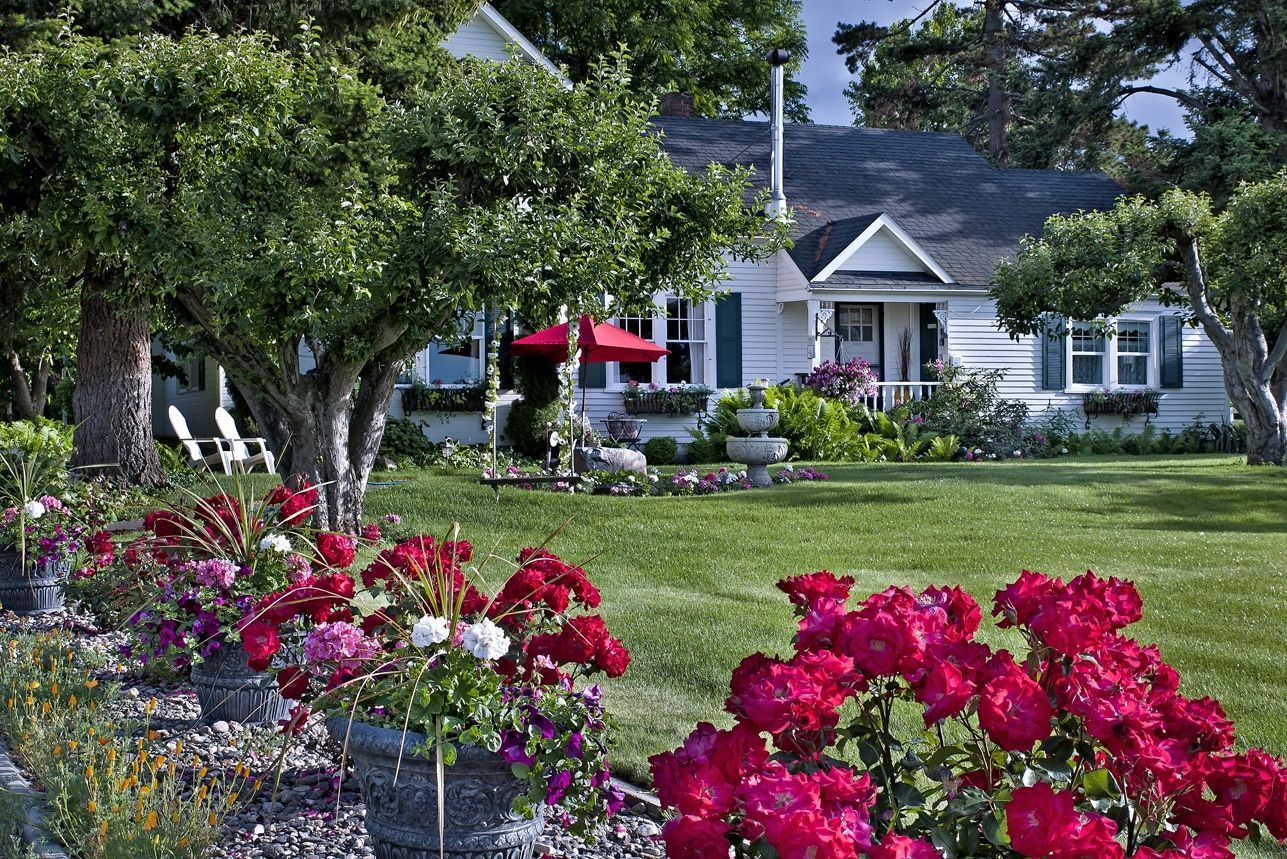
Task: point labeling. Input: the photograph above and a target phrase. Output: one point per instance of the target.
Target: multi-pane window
(194, 376)
(686, 340)
(856, 323)
(1088, 351)
(636, 371)
(1132, 353)
(679, 325)
(1120, 355)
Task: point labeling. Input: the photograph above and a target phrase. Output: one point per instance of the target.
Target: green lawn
(688, 582)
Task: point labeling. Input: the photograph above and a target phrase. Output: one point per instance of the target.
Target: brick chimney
(676, 104)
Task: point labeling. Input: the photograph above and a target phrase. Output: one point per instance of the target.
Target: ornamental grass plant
(109, 793)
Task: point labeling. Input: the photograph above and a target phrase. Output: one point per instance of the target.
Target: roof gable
(882, 246)
(962, 212)
(489, 36)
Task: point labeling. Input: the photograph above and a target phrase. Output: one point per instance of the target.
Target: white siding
(463, 427)
(975, 339)
(477, 38)
(883, 252)
(198, 407)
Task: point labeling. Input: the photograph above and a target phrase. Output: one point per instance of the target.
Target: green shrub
(967, 404)
(33, 460)
(537, 381)
(944, 448)
(662, 450)
(702, 450)
(405, 443)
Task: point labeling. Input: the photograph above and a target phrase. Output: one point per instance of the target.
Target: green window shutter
(929, 341)
(1171, 351)
(594, 375)
(1053, 373)
(728, 341)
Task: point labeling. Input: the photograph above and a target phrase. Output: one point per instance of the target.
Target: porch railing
(891, 395)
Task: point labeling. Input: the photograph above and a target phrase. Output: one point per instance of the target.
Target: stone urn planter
(229, 690)
(402, 810)
(34, 589)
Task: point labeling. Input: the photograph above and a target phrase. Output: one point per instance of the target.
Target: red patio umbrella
(598, 342)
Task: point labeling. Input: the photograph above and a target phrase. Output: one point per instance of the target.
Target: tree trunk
(23, 399)
(113, 398)
(999, 109)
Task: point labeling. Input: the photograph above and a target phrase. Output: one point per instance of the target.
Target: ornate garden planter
(34, 590)
(230, 691)
(402, 811)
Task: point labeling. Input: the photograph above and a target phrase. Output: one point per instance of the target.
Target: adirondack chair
(242, 459)
(221, 456)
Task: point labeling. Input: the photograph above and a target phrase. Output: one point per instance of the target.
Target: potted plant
(217, 565)
(39, 539)
(39, 536)
(465, 710)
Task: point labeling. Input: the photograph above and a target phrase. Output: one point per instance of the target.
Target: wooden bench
(497, 482)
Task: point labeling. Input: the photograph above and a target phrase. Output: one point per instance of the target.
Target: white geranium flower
(429, 631)
(486, 640)
(33, 509)
(279, 543)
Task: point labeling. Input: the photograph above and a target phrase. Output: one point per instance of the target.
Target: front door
(858, 333)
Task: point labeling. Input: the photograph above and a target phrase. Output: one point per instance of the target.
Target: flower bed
(1079, 747)
(682, 482)
(675, 400)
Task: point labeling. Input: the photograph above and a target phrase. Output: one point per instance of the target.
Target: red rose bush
(1080, 747)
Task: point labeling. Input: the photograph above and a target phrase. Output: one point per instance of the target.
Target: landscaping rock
(611, 459)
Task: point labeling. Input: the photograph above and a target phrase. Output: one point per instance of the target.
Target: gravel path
(310, 812)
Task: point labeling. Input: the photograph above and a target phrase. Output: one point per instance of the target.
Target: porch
(897, 338)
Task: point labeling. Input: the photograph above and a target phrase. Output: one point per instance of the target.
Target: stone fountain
(758, 450)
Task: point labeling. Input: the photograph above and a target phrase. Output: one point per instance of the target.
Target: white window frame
(1110, 358)
(659, 336)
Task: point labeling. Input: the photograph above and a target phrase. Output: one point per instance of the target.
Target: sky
(825, 74)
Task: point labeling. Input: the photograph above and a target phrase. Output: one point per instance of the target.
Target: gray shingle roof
(964, 213)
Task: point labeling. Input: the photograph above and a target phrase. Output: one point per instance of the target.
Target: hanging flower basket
(1124, 403)
(675, 400)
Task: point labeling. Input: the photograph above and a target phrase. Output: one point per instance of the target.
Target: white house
(895, 238)
(896, 235)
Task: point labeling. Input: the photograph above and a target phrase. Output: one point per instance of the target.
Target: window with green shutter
(728, 341)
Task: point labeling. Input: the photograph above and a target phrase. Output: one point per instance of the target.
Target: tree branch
(1178, 95)
(1196, 286)
(1277, 355)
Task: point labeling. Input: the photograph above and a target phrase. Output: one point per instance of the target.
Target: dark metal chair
(624, 429)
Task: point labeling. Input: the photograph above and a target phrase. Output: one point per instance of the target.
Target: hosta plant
(1078, 746)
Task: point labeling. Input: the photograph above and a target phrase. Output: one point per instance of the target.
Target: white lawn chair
(196, 457)
(242, 459)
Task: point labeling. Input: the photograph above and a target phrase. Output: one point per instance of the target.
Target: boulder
(612, 459)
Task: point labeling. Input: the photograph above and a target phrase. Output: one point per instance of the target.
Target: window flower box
(444, 398)
(1124, 403)
(673, 400)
